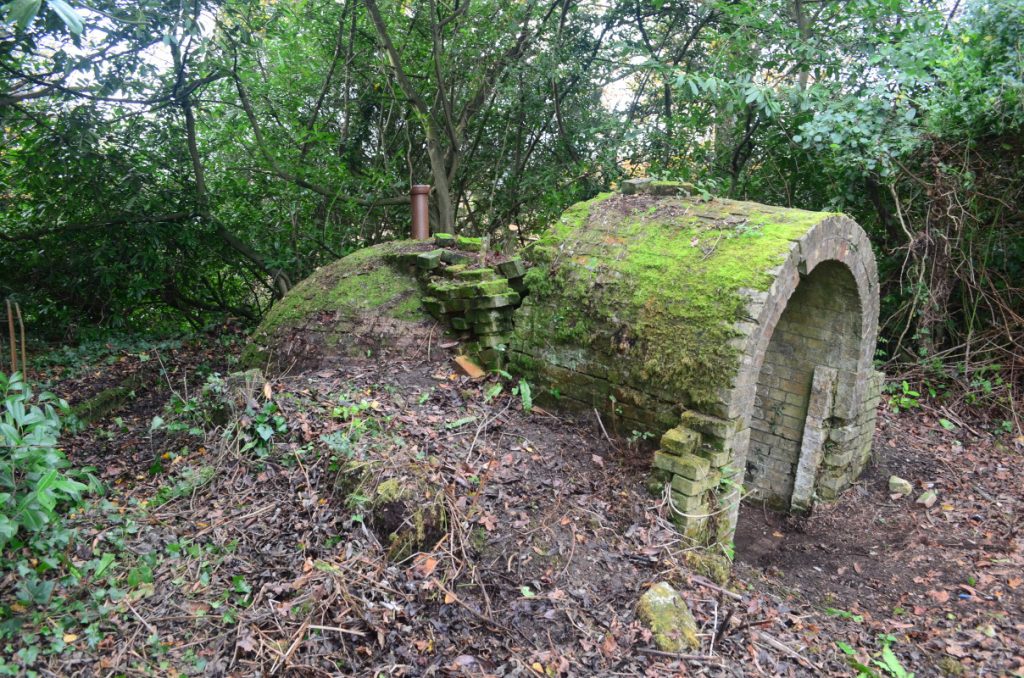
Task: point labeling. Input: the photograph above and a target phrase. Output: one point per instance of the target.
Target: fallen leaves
(424, 565)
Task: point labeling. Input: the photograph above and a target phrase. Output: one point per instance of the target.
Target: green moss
(478, 539)
(364, 284)
(655, 285)
(255, 354)
(951, 667)
(410, 308)
(671, 623)
(372, 282)
(714, 567)
(110, 399)
(389, 490)
(410, 513)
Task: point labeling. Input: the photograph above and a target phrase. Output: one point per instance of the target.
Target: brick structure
(742, 334)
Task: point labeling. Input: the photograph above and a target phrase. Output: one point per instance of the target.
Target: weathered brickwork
(474, 300)
(819, 326)
(779, 398)
(741, 335)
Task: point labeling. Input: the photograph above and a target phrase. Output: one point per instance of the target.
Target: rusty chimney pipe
(419, 196)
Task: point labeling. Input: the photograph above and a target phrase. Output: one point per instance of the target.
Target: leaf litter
(410, 521)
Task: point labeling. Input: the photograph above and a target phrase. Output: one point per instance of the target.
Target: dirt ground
(948, 577)
(524, 541)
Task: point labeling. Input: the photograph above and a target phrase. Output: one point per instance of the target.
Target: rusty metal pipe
(419, 197)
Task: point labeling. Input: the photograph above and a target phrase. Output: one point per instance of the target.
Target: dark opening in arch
(819, 327)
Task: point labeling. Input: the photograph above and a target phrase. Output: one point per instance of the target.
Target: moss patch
(714, 567)
(109, 400)
(362, 281)
(371, 291)
(408, 515)
(655, 285)
(671, 623)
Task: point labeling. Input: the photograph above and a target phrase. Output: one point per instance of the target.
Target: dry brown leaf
(425, 565)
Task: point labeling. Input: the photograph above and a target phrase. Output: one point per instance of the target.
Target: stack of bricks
(694, 470)
(472, 298)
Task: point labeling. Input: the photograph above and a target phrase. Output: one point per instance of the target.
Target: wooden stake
(24, 358)
(10, 333)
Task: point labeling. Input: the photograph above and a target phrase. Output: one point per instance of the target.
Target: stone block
(693, 504)
(444, 239)
(672, 625)
(433, 306)
(513, 268)
(455, 258)
(694, 527)
(695, 487)
(491, 340)
(829, 486)
(492, 326)
(495, 301)
(476, 274)
(844, 434)
(429, 260)
(493, 357)
(715, 457)
(489, 287)
(452, 290)
(688, 465)
(840, 456)
(680, 440)
(715, 431)
(453, 271)
(489, 315)
(458, 323)
(467, 244)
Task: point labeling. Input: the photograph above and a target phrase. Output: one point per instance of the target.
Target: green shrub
(34, 489)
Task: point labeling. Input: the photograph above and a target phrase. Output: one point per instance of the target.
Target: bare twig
(697, 579)
(601, 424)
(786, 649)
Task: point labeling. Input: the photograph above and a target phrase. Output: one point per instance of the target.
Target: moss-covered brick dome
(362, 303)
(388, 299)
(745, 333)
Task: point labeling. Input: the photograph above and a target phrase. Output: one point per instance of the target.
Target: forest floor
(247, 530)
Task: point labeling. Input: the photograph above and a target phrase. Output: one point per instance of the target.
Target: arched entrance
(811, 360)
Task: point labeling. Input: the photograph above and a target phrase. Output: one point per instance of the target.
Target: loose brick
(495, 301)
(476, 274)
(688, 466)
(513, 268)
(680, 440)
(429, 260)
(468, 244)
